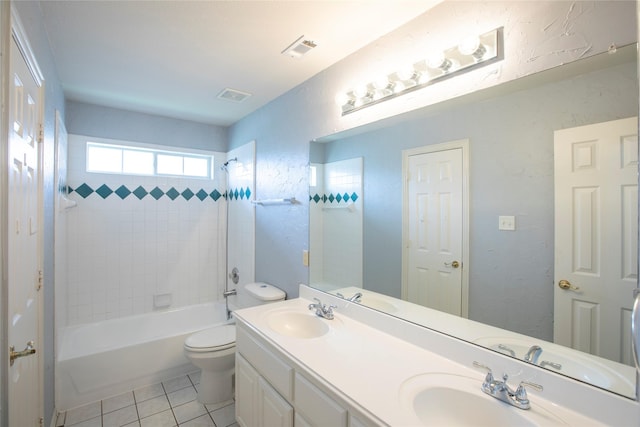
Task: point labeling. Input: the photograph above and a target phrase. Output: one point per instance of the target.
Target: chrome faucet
(355, 298)
(532, 354)
(322, 310)
(501, 390)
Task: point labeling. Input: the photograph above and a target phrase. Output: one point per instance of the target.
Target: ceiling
(173, 58)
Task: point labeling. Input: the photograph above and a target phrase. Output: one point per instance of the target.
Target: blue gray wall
(538, 36)
(104, 122)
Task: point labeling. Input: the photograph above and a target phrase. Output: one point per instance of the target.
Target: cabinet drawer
(271, 367)
(316, 407)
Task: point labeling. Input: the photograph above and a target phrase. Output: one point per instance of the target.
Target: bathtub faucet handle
(229, 293)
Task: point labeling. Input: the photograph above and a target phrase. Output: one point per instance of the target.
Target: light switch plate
(507, 222)
(305, 258)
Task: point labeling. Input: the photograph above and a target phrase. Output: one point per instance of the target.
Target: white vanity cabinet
(259, 404)
(272, 391)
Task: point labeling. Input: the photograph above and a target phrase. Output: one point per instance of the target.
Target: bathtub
(104, 359)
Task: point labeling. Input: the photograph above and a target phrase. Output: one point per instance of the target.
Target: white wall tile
(122, 252)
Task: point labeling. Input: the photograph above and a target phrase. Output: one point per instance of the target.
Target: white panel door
(25, 383)
(435, 230)
(596, 229)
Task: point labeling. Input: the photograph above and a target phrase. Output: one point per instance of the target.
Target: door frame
(462, 144)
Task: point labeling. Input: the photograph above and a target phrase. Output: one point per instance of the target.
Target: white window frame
(132, 148)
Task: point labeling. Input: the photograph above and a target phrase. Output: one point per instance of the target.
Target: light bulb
(406, 74)
(382, 82)
(435, 60)
(342, 98)
(361, 91)
(471, 46)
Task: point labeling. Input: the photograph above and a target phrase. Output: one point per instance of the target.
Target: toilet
(213, 350)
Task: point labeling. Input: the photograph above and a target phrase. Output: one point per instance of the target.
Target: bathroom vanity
(366, 368)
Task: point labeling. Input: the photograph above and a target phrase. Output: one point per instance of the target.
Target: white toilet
(213, 350)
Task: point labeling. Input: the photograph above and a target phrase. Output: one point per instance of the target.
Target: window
(119, 159)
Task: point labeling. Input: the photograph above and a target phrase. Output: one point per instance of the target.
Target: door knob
(454, 264)
(567, 286)
(28, 350)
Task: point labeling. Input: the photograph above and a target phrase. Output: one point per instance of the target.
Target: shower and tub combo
(104, 359)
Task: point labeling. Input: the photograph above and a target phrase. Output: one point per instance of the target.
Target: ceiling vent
(299, 48)
(233, 95)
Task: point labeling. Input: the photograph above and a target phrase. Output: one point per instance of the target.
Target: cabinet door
(274, 410)
(317, 407)
(246, 393)
(300, 421)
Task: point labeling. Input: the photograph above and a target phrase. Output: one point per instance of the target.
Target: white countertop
(369, 367)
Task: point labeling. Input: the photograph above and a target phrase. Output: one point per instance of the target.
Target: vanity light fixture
(470, 53)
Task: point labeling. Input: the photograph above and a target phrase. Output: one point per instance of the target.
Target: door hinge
(40, 280)
(41, 133)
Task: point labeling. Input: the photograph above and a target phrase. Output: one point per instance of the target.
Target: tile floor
(170, 403)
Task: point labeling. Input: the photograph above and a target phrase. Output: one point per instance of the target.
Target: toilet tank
(252, 294)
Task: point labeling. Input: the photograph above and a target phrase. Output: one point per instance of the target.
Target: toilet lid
(218, 338)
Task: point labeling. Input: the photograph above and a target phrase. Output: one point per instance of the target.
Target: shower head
(225, 164)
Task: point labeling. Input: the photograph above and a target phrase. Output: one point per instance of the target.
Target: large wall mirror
(511, 256)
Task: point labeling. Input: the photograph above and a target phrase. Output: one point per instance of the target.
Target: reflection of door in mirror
(596, 223)
(336, 246)
(434, 236)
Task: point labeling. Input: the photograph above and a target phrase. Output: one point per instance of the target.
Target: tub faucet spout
(229, 293)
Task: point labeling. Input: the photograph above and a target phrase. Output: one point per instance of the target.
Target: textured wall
(538, 36)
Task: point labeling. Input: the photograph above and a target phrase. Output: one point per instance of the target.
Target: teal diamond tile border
(238, 193)
(338, 198)
(123, 192)
(172, 193)
(104, 191)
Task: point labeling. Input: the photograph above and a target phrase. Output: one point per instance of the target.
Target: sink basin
(297, 325)
(378, 304)
(448, 399)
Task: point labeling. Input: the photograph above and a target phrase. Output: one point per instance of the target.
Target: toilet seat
(213, 339)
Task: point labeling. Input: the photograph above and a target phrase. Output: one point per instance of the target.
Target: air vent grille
(299, 48)
(233, 95)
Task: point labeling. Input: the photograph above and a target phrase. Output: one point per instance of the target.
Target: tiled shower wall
(336, 224)
(131, 239)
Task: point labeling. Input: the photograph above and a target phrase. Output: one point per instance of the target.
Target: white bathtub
(104, 359)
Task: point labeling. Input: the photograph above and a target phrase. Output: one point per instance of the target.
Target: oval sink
(297, 325)
(447, 399)
(378, 304)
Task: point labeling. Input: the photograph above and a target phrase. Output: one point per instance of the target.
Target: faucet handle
(489, 378)
(327, 311)
(481, 366)
(521, 391)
